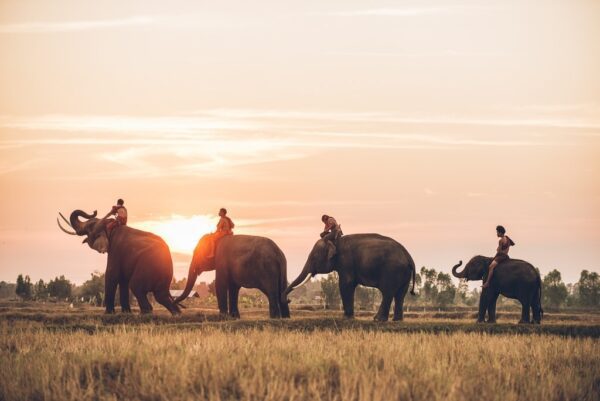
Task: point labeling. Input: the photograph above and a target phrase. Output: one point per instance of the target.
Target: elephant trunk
(77, 225)
(191, 280)
(300, 280)
(456, 274)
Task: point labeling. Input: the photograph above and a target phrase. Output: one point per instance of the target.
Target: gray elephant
(242, 261)
(137, 260)
(371, 260)
(513, 278)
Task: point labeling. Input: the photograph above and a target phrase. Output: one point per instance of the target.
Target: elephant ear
(331, 251)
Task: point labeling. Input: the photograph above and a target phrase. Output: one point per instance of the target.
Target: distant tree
(211, 288)
(41, 290)
(331, 291)
(589, 289)
(429, 289)
(178, 285)
(7, 290)
(554, 290)
(446, 290)
(461, 292)
(60, 288)
(24, 287)
(473, 297)
(93, 289)
(365, 297)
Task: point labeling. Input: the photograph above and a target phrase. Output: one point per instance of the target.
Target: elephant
(371, 260)
(513, 278)
(241, 261)
(137, 260)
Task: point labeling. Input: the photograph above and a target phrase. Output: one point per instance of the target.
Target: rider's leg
(490, 274)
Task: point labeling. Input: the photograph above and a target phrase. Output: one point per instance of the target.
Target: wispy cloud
(393, 12)
(71, 26)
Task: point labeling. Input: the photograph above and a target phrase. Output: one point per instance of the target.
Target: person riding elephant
(137, 260)
(504, 245)
(332, 229)
(371, 260)
(241, 261)
(120, 213)
(513, 278)
(224, 227)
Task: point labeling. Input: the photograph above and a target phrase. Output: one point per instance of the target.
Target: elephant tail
(283, 281)
(540, 296)
(414, 279)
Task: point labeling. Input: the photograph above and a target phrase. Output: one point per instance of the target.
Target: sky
(427, 121)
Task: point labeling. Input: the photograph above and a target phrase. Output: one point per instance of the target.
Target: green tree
(589, 289)
(554, 290)
(41, 290)
(93, 289)
(365, 297)
(60, 288)
(446, 290)
(331, 291)
(24, 287)
(429, 289)
(462, 291)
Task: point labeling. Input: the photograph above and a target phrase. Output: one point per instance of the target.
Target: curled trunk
(77, 225)
(457, 274)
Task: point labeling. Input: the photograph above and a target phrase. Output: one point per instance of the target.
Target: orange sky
(429, 121)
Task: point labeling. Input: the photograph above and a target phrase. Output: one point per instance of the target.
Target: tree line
(436, 289)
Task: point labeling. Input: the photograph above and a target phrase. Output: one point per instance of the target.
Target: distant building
(177, 293)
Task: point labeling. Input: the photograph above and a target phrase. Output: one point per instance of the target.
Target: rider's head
(120, 202)
(500, 231)
(222, 212)
(324, 218)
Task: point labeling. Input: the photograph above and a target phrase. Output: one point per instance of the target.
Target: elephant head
(92, 228)
(200, 263)
(475, 269)
(320, 261)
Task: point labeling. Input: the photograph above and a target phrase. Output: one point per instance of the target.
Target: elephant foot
(235, 315)
(379, 318)
(523, 321)
(109, 312)
(127, 310)
(491, 321)
(480, 321)
(537, 322)
(349, 317)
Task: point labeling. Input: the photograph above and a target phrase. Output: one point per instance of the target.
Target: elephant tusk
(308, 276)
(64, 230)
(65, 219)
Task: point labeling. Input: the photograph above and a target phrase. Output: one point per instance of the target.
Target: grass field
(52, 352)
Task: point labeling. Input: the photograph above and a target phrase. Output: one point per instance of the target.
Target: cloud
(393, 12)
(72, 26)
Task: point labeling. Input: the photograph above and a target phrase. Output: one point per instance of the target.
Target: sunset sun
(181, 232)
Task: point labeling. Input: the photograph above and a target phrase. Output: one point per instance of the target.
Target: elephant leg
(492, 308)
(234, 292)
(221, 289)
(483, 305)
(285, 309)
(110, 289)
(537, 309)
(525, 306)
(163, 297)
(124, 296)
(347, 295)
(399, 304)
(274, 311)
(142, 298)
(384, 309)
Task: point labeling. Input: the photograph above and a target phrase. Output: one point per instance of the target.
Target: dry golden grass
(80, 356)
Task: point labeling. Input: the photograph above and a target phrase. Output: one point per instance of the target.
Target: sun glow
(181, 232)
